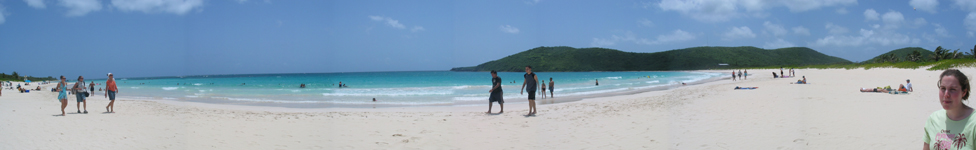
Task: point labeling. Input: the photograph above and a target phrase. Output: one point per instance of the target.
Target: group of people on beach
(531, 81)
(81, 93)
(743, 74)
(902, 88)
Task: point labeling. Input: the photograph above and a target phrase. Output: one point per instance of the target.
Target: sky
(150, 38)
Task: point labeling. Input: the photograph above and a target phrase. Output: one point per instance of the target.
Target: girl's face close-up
(950, 92)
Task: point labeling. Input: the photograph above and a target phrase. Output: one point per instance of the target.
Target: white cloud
(919, 22)
(930, 6)
(968, 5)
(417, 29)
(870, 15)
(804, 5)
(776, 29)
(866, 37)
(36, 3)
(841, 11)
(389, 21)
(970, 33)
(645, 22)
(81, 7)
(738, 33)
(676, 36)
(179, 7)
(941, 31)
(835, 29)
(2, 19)
(970, 21)
(779, 43)
(892, 19)
(532, 2)
(508, 29)
(724, 10)
(800, 30)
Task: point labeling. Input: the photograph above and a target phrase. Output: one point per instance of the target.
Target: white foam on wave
(617, 77)
(655, 81)
(197, 84)
(170, 88)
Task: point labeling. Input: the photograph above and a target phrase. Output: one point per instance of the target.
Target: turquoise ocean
(418, 88)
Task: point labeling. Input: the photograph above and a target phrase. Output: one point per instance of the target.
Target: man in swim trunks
(496, 92)
(550, 87)
(532, 81)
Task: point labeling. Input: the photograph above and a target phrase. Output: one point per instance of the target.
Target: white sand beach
(828, 113)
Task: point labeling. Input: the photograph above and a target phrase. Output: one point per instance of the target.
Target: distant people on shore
(91, 88)
(542, 89)
(551, 87)
(908, 85)
(951, 127)
(110, 91)
(803, 81)
(495, 93)
(733, 75)
(746, 74)
(774, 75)
(740, 74)
(302, 86)
(374, 99)
(532, 80)
(781, 72)
(792, 73)
(80, 94)
(62, 94)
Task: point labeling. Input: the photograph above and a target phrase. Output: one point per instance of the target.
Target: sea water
(388, 88)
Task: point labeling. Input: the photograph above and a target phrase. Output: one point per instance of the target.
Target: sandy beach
(828, 113)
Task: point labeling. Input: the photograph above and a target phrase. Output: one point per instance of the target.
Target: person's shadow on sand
(494, 114)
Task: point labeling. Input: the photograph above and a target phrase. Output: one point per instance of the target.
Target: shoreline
(521, 100)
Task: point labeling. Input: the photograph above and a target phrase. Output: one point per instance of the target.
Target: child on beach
(531, 80)
(951, 127)
(496, 92)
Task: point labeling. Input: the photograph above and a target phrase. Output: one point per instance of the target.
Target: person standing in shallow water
(496, 92)
(531, 80)
(542, 89)
(953, 126)
(550, 88)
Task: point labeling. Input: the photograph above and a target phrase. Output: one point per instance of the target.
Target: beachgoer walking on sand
(110, 91)
(909, 85)
(550, 87)
(740, 74)
(496, 92)
(952, 127)
(733, 75)
(531, 80)
(781, 72)
(792, 73)
(62, 94)
(80, 93)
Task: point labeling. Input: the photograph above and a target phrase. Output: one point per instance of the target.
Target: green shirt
(942, 133)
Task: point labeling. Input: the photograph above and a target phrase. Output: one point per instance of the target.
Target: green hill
(602, 59)
(901, 53)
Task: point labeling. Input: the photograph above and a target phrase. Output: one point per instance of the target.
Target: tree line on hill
(16, 77)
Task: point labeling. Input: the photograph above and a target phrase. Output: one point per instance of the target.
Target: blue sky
(139, 38)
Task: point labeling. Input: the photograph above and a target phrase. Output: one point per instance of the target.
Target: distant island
(565, 59)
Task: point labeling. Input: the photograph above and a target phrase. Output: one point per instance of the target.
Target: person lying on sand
(874, 90)
(745, 88)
